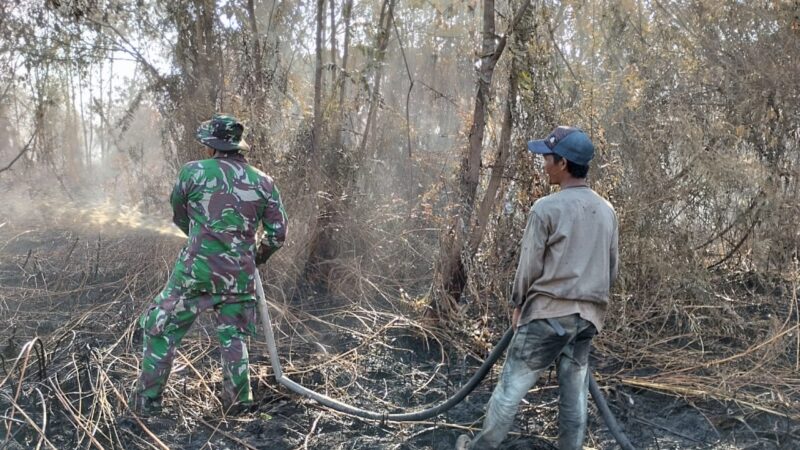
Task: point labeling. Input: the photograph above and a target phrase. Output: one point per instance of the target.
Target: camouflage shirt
(218, 203)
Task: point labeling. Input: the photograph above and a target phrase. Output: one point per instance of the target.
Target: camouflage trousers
(168, 319)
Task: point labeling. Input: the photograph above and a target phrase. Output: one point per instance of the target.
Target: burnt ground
(80, 292)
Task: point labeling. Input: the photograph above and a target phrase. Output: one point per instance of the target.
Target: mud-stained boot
(144, 406)
(239, 408)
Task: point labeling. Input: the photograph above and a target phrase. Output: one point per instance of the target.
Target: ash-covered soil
(80, 292)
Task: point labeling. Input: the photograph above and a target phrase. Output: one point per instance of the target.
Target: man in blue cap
(567, 265)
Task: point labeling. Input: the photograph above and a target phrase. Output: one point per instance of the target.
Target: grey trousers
(533, 348)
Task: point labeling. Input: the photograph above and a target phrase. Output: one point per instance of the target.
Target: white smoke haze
(123, 184)
(23, 209)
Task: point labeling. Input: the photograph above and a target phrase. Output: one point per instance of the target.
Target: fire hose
(425, 414)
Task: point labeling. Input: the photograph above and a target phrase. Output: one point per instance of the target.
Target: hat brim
(539, 147)
(225, 146)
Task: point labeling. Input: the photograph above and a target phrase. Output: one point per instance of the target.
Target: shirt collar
(230, 156)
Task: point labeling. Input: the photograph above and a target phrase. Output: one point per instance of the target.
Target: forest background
(396, 132)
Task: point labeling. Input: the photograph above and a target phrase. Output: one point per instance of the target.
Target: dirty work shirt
(568, 260)
(218, 203)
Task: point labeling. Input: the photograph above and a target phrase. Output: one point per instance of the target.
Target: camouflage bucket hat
(222, 133)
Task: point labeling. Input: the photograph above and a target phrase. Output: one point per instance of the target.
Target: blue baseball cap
(569, 143)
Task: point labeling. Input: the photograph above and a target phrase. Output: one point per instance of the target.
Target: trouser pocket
(154, 320)
(542, 344)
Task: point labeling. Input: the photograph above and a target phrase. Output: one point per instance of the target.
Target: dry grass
(71, 352)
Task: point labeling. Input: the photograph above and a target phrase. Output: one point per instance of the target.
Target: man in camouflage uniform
(218, 202)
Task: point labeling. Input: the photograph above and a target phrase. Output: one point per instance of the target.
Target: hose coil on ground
(425, 414)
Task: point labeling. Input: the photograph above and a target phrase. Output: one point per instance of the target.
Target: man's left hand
(263, 253)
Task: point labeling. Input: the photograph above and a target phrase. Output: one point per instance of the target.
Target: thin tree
(451, 274)
(317, 130)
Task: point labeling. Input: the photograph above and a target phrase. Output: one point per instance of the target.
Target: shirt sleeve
(614, 256)
(531, 257)
(178, 199)
(274, 221)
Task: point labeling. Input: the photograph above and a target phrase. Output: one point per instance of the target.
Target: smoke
(23, 210)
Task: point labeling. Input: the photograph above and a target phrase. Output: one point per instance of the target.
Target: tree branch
(130, 49)
(410, 87)
(503, 40)
(22, 152)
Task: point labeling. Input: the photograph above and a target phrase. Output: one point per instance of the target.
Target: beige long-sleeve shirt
(569, 257)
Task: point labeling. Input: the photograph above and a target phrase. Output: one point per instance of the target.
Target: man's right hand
(515, 316)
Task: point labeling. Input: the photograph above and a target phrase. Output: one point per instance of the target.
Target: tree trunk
(333, 43)
(409, 163)
(197, 53)
(323, 244)
(386, 18)
(258, 58)
(347, 10)
(451, 273)
(503, 150)
(317, 130)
